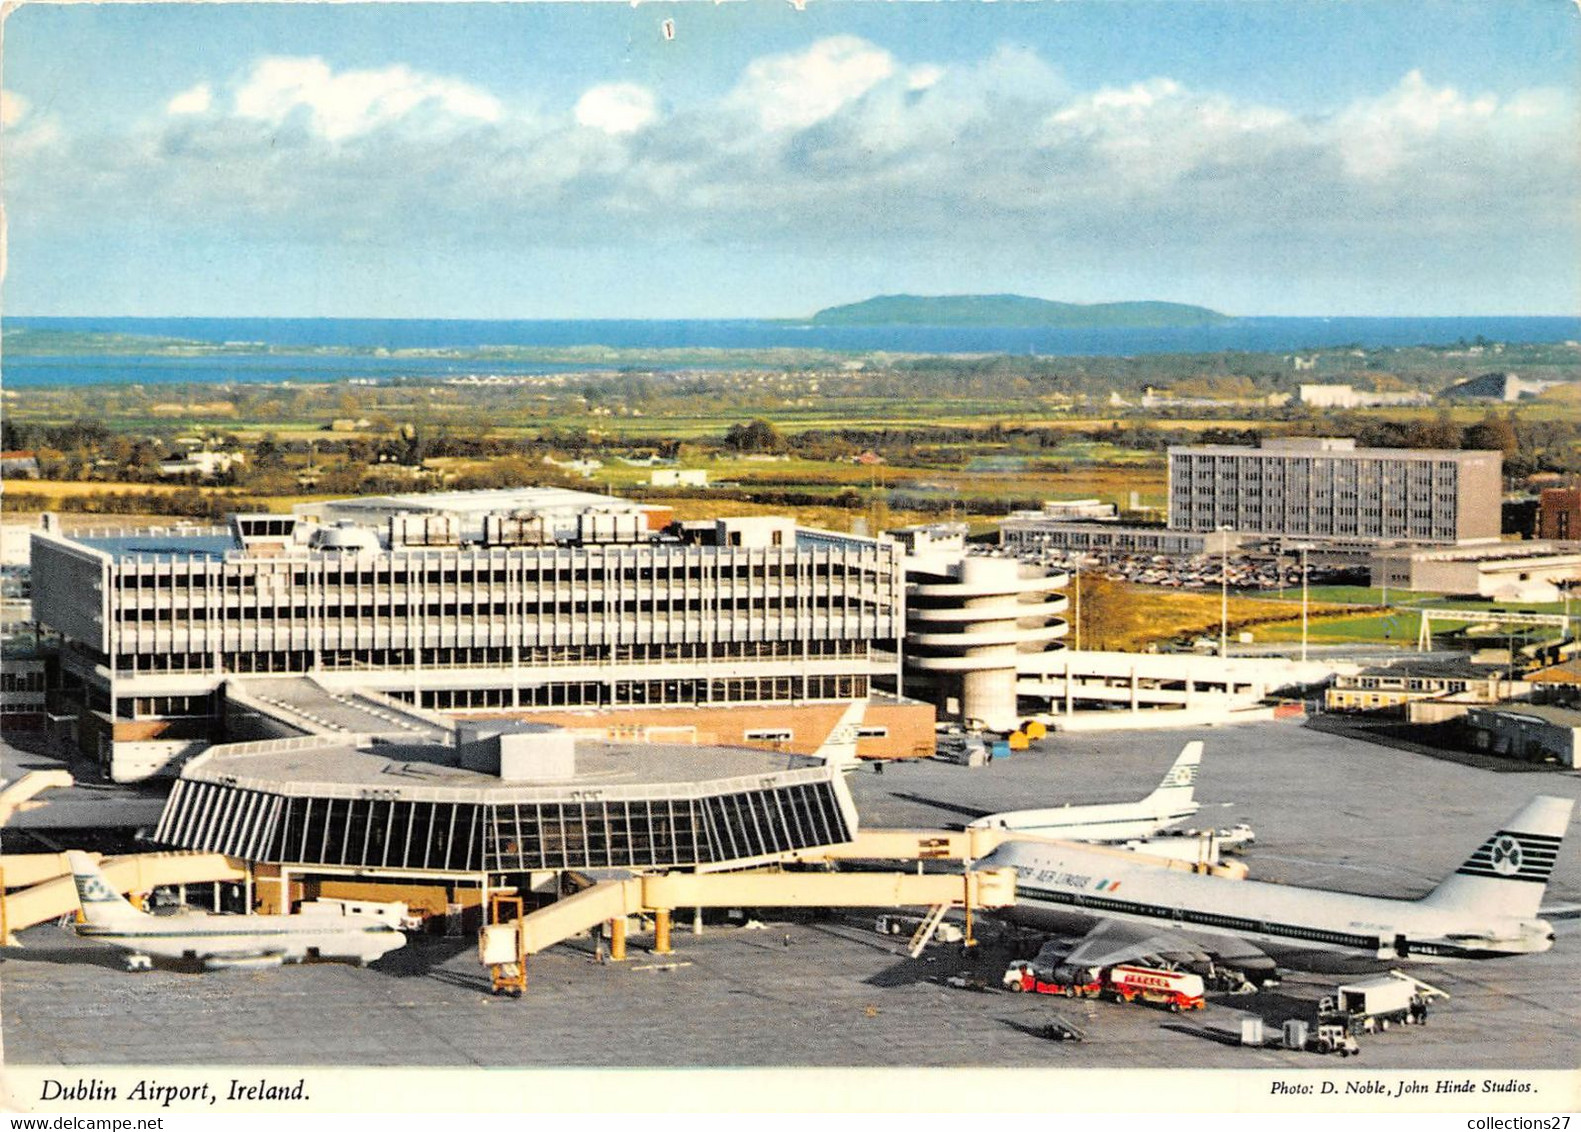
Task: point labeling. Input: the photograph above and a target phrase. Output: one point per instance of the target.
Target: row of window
(495, 657)
(657, 572)
(639, 693)
(627, 612)
(505, 837)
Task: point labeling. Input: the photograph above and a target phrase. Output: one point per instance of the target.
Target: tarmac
(1329, 810)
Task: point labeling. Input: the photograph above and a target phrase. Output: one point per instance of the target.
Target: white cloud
(346, 104)
(28, 131)
(1136, 97)
(840, 144)
(13, 108)
(1379, 136)
(617, 108)
(195, 100)
(795, 91)
(923, 77)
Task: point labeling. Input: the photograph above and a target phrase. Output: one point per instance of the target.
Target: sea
(287, 346)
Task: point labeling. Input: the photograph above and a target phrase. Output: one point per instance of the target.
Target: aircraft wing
(1112, 941)
(968, 812)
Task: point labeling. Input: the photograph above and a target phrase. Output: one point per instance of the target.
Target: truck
(1324, 1037)
(1072, 982)
(891, 923)
(1178, 990)
(1376, 1004)
(1332, 1037)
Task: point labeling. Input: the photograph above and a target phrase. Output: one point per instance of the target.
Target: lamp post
(1564, 630)
(1303, 603)
(1224, 592)
(1076, 562)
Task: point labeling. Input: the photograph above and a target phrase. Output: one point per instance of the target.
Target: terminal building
(499, 603)
(1326, 487)
(437, 820)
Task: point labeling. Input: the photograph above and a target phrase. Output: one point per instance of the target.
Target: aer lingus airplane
(224, 941)
(1488, 908)
(1172, 802)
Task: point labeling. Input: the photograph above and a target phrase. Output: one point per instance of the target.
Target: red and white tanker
(1178, 990)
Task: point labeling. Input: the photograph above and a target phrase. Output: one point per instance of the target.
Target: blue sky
(566, 160)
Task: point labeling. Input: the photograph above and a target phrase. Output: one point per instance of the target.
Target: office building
(1323, 487)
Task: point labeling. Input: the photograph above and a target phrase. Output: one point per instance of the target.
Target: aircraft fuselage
(208, 937)
(1117, 822)
(1061, 887)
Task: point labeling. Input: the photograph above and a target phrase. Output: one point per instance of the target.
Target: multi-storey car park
(973, 622)
(526, 601)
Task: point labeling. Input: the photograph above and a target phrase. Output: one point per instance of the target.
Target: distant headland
(1014, 310)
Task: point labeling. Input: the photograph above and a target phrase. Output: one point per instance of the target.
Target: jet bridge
(658, 895)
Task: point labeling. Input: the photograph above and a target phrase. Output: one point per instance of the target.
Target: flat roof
(1303, 451)
(159, 544)
(483, 502)
(1459, 669)
(327, 765)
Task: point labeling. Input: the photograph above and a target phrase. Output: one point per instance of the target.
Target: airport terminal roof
(331, 766)
(323, 801)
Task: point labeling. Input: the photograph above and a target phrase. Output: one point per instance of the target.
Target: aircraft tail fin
(1178, 789)
(1509, 870)
(102, 906)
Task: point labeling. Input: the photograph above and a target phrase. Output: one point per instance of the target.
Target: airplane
(223, 941)
(1172, 802)
(1487, 908)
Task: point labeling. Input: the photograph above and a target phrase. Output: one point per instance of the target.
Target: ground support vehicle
(1178, 990)
(1376, 1004)
(891, 923)
(1024, 976)
(1333, 1037)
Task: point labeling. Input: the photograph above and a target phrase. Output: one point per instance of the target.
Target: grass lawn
(1158, 614)
(1397, 625)
(1331, 630)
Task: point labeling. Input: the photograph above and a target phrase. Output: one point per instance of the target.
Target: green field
(1404, 625)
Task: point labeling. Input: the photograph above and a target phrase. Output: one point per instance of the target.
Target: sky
(752, 159)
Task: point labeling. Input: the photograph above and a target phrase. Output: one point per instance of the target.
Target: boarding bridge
(50, 892)
(658, 895)
(968, 845)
